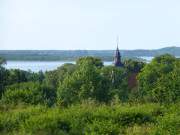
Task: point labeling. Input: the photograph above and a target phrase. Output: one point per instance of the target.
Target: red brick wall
(132, 81)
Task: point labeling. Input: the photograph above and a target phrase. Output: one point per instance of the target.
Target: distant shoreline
(72, 55)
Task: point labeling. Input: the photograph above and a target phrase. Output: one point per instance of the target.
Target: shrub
(91, 118)
(29, 93)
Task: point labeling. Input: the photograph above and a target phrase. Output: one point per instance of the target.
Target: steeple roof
(117, 58)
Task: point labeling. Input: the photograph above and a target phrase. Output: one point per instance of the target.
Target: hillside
(57, 55)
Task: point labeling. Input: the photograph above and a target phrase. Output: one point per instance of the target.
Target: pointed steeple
(117, 57)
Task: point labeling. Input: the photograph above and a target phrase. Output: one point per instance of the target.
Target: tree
(3, 76)
(159, 81)
(86, 82)
(34, 77)
(91, 60)
(41, 76)
(56, 77)
(116, 81)
(3, 79)
(17, 76)
(134, 66)
(2, 61)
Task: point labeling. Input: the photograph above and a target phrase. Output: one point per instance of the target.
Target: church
(117, 59)
(132, 81)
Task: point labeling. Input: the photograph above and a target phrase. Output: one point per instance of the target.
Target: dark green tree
(3, 76)
(41, 76)
(133, 66)
(117, 82)
(2, 61)
(3, 79)
(17, 76)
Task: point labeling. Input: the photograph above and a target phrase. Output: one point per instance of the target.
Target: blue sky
(89, 24)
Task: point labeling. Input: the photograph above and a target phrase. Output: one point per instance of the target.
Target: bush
(90, 118)
(29, 93)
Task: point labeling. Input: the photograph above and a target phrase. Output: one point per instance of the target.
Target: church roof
(117, 58)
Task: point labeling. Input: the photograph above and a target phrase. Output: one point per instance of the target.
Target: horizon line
(85, 49)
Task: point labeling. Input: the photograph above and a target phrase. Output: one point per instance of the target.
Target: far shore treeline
(72, 55)
(88, 98)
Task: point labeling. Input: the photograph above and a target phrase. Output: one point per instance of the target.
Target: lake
(36, 66)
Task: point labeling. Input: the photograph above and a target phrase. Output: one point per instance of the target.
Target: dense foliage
(159, 81)
(90, 98)
(29, 93)
(91, 119)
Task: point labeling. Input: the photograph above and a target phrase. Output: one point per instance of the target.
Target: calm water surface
(36, 66)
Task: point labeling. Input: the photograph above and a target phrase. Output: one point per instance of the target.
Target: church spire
(117, 57)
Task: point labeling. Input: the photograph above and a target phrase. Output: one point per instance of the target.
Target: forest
(88, 98)
(72, 55)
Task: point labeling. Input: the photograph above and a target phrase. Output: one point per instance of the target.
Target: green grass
(91, 119)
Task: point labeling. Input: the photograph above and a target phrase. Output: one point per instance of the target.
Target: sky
(89, 24)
